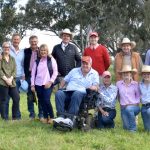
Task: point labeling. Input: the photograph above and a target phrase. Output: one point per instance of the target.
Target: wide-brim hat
(145, 68)
(66, 31)
(128, 68)
(24, 86)
(127, 41)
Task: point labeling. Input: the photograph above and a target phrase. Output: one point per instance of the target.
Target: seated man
(76, 82)
(106, 102)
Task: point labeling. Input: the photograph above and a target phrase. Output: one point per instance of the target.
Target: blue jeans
(30, 102)
(72, 98)
(18, 84)
(107, 121)
(44, 96)
(128, 115)
(145, 112)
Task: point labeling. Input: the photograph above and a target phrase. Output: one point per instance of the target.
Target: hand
(23, 78)
(32, 88)
(94, 88)
(105, 113)
(48, 85)
(8, 82)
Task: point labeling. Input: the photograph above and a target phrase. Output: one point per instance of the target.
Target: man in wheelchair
(76, 83)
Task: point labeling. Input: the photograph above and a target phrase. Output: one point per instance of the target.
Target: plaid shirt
(107, 96)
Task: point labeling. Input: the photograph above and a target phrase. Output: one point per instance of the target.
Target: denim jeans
(72, 98)
(145, 112)
(30, 102)
(18, 84)
(107, 121)
(13, 93)
(44, 96)
(128, 115)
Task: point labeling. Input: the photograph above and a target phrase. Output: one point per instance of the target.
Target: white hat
(127, 68)
(24, 86)
(66, 31)
(145, 68)
(127, 41)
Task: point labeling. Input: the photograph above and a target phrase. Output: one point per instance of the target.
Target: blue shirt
(107, 96)
(77, 82)
(145, 93)
(19, 59)
(147, 58)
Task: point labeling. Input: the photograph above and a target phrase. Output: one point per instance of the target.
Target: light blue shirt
(147, 58)
(19, 59)
(77, 82)
(145, 93)
(107, 96)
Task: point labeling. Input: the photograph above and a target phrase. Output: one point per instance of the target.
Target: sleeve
(1, 70)
(137, 92)
(13, 73)
(147, 58)
(53, 52)
(95, 79)
(106, 58)
(69, 76)
(23, 74)
(55, 70)
(77, 57)
(33, 74)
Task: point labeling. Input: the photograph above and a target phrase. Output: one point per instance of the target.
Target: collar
(131, 83)
(90, 72)
(94, 47)
(103, 86)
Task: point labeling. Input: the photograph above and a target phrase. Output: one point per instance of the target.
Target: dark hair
(32, 37)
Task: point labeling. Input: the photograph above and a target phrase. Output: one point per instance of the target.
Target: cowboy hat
(127, 68)
(66, 31)
(145, 68)
(127, 41)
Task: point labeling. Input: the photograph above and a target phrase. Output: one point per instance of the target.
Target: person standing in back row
(98, 53)
(66, 54)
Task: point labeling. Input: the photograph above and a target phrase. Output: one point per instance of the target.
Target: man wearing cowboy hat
(145, 96)
(129, 98)
(98, 53)
(127, 57)
(66, 54)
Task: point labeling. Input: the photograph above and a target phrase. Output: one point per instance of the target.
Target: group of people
(74, 74)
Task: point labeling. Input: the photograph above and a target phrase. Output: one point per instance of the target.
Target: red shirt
(100, 58)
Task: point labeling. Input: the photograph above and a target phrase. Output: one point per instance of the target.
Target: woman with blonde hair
(44, 73)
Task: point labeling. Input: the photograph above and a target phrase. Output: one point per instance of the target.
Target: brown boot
(44, 120)
(50, 121)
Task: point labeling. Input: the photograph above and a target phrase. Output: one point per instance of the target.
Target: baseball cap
(106, 73)
(86, 59)
(94, 34)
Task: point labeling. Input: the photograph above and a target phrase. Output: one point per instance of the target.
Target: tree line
(112, 19)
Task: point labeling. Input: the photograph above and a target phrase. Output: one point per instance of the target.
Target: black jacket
(66, 60)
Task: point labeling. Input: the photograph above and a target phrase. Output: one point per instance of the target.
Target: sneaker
(68, 122)
(59, 119)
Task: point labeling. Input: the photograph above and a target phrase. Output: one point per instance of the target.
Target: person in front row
(8, 83)
(107, 102)
(145, 96)
(77, 81)
(129, 98)
(44, 73)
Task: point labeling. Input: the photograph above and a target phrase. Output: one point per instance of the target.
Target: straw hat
(127, 68)
(145, 68)
(66, 31)
(127, 41)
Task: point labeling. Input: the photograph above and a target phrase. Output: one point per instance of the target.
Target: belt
(147, 104)
(123, 106)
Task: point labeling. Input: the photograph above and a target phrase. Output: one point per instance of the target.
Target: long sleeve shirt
(7, 69)
(19, 58)
(43, 76)
(145, 93)
(107, 96)
(147, 58)
(128, 94)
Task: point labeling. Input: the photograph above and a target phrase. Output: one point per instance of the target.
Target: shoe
(58, 120)
(68, 122)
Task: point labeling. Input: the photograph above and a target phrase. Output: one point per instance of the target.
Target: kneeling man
(76, 83)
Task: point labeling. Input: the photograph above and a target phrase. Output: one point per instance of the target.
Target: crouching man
(76, 83)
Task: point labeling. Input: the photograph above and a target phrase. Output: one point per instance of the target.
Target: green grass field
(33, 135)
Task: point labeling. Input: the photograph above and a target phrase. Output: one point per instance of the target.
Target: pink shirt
(129, 94)
(43, 76)
(33, 58)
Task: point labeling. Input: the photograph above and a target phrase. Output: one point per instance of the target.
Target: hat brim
(61, 34)
(132, 43)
